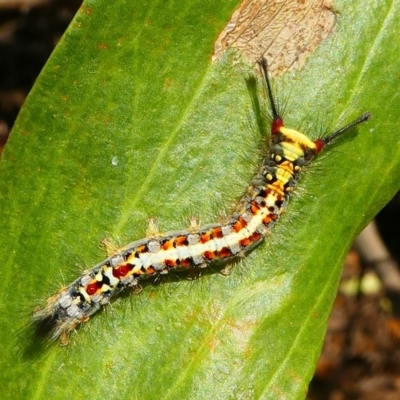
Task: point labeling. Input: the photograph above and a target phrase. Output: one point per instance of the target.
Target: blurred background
(361, 354)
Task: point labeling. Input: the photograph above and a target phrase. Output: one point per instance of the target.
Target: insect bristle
(320, 143)
(277, 121)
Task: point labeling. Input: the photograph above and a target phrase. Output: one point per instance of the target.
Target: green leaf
(129, 119)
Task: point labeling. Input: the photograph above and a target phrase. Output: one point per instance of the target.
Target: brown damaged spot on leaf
(284, 31)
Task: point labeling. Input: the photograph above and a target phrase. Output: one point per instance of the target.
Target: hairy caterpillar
(258, 211)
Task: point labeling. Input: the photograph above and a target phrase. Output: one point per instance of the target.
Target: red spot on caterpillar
(319, 143)
(170, 263)
(245, 242)
(266, 220)
(150, 270)
(210, 255)
(254, 208)
(216, 233)
(256, 236)
(186, 262)
(243, 222)
(181, 241)
(224, 252)
(122, 270)
(237, 226)
(168, 244)
(277, 123)
(269, 218)
(93, 288)
(205, 237)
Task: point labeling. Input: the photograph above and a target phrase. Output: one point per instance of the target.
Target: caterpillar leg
(194, 274)
(66, 330)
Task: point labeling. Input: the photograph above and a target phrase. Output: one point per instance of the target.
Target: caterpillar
(260, 208)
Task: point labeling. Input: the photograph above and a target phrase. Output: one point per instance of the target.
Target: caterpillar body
(266, 198)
